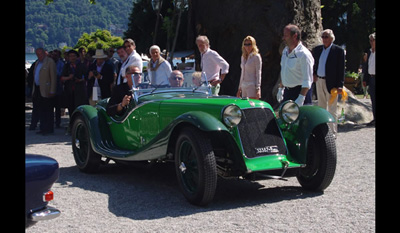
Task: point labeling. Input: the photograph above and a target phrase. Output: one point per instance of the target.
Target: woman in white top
(250, 78)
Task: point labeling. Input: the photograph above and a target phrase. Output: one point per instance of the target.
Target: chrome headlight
(232, 115)
(289, 111)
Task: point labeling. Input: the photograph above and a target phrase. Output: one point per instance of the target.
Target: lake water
(30, 57)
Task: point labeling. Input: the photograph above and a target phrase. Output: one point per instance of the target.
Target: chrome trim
(222, 115)
(45, 214)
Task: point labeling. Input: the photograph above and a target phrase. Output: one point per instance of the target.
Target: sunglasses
(135, 74)
(247, 44)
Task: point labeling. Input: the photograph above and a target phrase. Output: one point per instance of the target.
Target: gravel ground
(148, 200)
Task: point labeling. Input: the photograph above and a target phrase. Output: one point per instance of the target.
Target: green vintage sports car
(208, 136)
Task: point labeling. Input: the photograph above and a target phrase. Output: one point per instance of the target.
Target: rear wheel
(321, 160)
(195, 166)
(85, 158)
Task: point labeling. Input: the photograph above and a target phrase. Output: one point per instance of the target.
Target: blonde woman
(250, 78)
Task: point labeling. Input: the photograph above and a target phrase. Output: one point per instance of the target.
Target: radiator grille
(260, 134)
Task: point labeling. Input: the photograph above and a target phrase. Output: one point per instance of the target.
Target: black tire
(86, 159)
(321, 160)
(195, 166)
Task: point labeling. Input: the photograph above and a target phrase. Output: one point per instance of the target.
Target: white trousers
(324, 96)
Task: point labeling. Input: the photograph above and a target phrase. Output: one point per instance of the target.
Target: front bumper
(45, 214)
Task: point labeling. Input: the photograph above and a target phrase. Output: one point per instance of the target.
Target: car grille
(259, 133)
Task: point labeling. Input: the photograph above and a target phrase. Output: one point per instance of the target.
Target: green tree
(351, 21)
(50, 1)
(142, 21)
(98, 39)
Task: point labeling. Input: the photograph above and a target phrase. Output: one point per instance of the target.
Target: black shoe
(44, 133)
(372, 123)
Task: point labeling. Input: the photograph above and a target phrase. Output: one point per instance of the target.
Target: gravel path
(148, 200)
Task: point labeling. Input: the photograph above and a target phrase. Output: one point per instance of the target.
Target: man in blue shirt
(329, 73)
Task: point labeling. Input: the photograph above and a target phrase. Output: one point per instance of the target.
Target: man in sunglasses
(328, 73)
(176, 79)
(122, 94)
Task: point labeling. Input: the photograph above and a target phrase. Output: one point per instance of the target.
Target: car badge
(252, 103)
(267, 149)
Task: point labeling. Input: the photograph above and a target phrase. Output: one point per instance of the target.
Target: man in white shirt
(133, 59)
(158, 68)
(296, 68)
(212, 63)
(369, 75)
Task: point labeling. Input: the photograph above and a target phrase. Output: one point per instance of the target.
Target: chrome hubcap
(182, 167)
(77, 144)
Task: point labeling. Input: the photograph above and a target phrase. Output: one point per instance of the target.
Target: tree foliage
(142, 21)
(66, 20)
(51, 1)
(351, 21)
(100, 39)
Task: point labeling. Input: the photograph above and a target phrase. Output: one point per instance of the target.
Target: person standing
(369, 75)
(158, 68)
(250, 77)
(132, 59)
(58, 103)
(44, 90)
(328, 73)
(124, 58)
(296, 68)
(100, 78)
(212, 64)
(73, 78)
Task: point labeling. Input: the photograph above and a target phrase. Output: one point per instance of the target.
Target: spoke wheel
(195, 166)
(85, 158)
(321, 160)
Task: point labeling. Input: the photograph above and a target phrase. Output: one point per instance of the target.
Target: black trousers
(45, 111)
(291, 93)
(371, 91)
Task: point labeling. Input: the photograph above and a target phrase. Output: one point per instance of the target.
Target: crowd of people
(80, 79)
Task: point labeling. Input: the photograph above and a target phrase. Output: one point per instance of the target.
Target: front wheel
(85, 158)
(320, 167)
(195, 166)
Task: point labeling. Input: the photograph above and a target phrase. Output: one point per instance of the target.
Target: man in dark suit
(121, 97)
(101, 78)
(328, 73)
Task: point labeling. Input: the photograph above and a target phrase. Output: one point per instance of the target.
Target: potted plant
(350, 77)
(350, 80)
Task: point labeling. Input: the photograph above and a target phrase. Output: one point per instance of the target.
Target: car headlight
(232, 115)
(289, 111)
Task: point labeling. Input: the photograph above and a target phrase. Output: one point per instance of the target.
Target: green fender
(297, 133)
(89, 114)
(91, 117)
(202, 121)
(103, 144)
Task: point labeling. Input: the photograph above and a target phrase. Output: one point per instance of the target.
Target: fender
(297, 133)
(90, 115)
(202, 121)
(100, 136)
